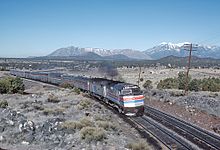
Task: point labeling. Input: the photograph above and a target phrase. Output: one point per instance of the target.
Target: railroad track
(200, 137)
(167, 137)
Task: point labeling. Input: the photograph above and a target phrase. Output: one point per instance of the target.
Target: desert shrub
(69, 125)
(3, 103)
(66, 85)
(56, 111)
(17, 86)
(168, 83)
(139, 145)
(66, 105)
(84, 122)
(3, 87)
(3, 69)
(83, 104)
(38, 106)
(53, 99)
(195, 85)
(211, 84)
(11, 85)
(182, 80)
(106, 125)
(76, 90)
(92, 133)
(148, 84)
(177, 93)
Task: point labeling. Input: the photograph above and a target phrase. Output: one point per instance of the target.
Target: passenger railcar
(127, 98)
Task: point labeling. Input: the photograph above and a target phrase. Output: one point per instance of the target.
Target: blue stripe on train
(135, 101)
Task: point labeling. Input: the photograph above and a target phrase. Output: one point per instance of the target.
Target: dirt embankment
(200, 108)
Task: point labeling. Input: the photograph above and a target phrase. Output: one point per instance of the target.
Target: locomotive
(126, 97)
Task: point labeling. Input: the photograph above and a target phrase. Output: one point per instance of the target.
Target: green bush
(3, 103)
(206, 84)
(182, 80)
(92, 133)
(195, 85)
(148, 84)
(169, 83)
(211, 84)
(11, 85)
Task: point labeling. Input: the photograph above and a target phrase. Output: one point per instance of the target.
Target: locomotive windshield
(131, 91)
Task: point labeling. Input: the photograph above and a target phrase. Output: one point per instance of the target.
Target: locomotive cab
(132, 99)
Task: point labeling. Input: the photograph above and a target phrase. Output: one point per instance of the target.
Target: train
(127, 98)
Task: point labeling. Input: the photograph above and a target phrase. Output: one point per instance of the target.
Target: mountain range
(162, 50)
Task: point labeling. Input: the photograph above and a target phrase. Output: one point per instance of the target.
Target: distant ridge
(162, 50)
(116, 53)
(166, 49)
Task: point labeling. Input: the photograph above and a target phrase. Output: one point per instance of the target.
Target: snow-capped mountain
(162, 50)
(76, 51)
(166, 49)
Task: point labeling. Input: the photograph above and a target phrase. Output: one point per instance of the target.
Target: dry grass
(92, 134)
(139, 145)
(56, 111)
(83, 104)
(66, 106)
(77, 91)
(84, 122)
(38, 107)
(70, 125)
(106, 125)
(53, 99)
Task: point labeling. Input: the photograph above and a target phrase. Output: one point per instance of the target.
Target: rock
(25, 143)
(26, 126)
(216, 129)
(1, 138)
(51, 125)
(2, 129)
(10, 122)
(29, 138)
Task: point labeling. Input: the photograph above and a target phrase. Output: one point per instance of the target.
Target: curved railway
(169, 139)
(200, 137)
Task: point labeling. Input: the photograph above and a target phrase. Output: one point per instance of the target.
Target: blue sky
(38, 27)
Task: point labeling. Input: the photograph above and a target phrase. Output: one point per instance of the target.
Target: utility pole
(188, 67)
(187, 72)
(139, 75)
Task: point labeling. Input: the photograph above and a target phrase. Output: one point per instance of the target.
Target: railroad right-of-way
(175, 133)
